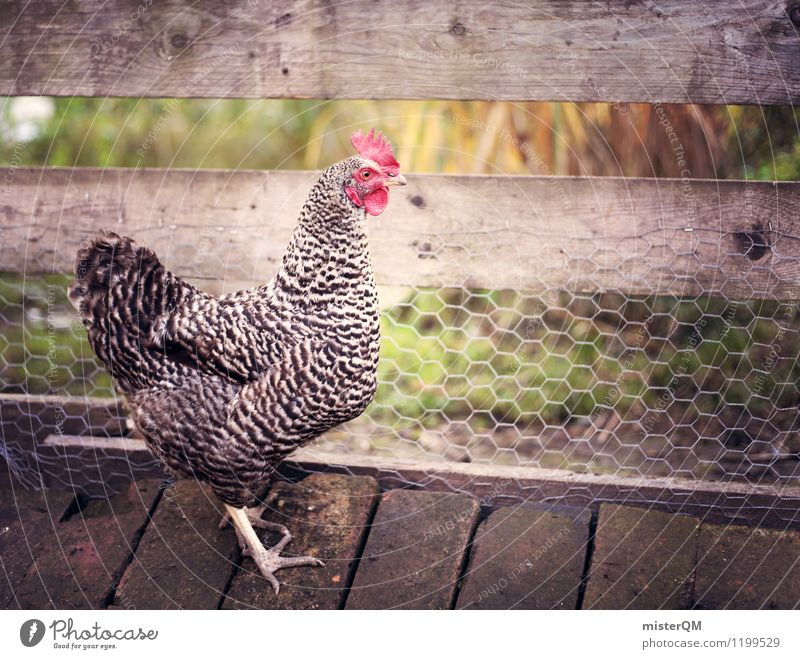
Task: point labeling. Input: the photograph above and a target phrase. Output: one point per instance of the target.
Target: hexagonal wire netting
(694, 387)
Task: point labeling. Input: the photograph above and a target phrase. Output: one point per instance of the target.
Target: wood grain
(79, 567)
(639, 236)
(670, 51)
(527, 558)
(28, 520)
(417, 545)
(496, 485)
(184, 560)
(643, 559)
(743, 568)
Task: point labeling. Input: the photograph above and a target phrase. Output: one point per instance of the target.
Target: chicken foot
(254, 515)
(269, 560)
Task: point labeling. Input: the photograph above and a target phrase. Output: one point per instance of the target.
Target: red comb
(374, 147)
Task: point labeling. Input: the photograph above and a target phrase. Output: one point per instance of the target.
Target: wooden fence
(638, 236)
(710, 51)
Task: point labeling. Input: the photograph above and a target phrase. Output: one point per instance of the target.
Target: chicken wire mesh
(699, 387)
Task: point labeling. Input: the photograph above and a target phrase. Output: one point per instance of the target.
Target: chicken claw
(269, 560)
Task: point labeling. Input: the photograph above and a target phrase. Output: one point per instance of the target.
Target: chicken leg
(269, 560)
(254, 515)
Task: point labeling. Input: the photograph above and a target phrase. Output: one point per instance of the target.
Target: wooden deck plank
(415, 551)
(87, 554)
(27, 522)
(17, 499)
(327, 516)
(744, 568)
(643, 559)
(527, 558)
(670, 51)
(184, 559)
(138, 498)
(521, 557)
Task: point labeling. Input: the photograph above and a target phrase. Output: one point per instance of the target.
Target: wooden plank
(84, 560)
(27, 522)
(525, 558)
(72, 571)
(497, 485)
(75, 415)
(327, 516)
(139, 499)
(27, 419)
(184, 560)
(542, 50)
(643, 559)
(96, 466)
(415, 551)
(640, 236)
(17, 501)
(742, 568)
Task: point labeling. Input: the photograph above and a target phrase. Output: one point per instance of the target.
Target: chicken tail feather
(124, 295)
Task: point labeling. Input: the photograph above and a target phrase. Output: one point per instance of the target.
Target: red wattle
(376, 202)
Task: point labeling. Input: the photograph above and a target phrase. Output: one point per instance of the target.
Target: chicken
(224, 388)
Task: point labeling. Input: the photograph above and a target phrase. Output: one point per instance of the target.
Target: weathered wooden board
(643, 559)
(25, 418)
(27, 521)
(415, 551)
(704, 52)
(84, 559)
(327, 516)
(640, 236)
(96, 466)
(495, 485)
(525, 558)
(184, 560)
(742, 568)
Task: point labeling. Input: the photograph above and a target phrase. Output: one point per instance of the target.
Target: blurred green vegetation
(43, 346)
(498, 357)
(487, 357)
(430, 136)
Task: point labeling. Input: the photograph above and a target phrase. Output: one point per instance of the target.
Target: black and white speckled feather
(223, 388)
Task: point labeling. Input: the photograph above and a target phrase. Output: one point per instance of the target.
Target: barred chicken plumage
(223, 388)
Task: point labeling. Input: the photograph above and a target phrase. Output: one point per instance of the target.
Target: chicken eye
(365, 174)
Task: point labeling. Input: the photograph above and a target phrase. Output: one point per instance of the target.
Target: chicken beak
(396, 180)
